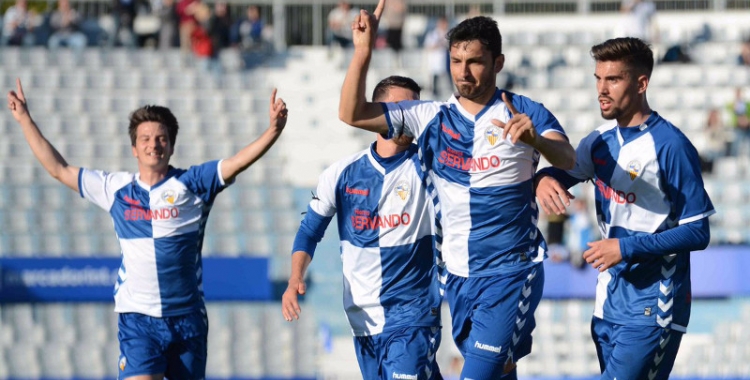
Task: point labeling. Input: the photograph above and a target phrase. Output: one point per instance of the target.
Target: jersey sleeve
(319, 214)
(409, 117)
(583, 169)
(544, 121)
(99, 187)
(684, 183)
(205, 180)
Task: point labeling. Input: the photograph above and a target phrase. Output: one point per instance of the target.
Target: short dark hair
(381, 89)
(633, 52)
(159, 114)
(480, 28)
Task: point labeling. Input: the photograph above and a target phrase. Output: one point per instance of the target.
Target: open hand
(289, 303)
(552, 196)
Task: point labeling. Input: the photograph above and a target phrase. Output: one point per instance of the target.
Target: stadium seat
(89, 361)
(23, 362)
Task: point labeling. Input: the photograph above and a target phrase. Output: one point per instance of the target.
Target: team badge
(402, 189)
(634, 168)
(492, 134)
(169, 196)
(123, 362)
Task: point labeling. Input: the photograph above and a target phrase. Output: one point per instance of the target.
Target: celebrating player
(480, 150)
(652, 209)
(159, 216)
(385, 221)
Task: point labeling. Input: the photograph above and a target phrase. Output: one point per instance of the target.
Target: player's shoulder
(336, 168)
(115, 179)
(667, 134)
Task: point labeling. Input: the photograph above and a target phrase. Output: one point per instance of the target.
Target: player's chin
(403, 140)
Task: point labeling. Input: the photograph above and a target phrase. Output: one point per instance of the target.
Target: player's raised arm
(353, 106)
(236, 164)
(47, 155)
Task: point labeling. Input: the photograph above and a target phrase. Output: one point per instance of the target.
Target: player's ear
(642, 84)
(499, 63)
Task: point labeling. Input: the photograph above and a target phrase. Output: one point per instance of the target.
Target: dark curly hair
(481, 28)
(159, 114)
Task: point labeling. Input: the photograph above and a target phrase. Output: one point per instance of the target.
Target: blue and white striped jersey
(160, 229)
(484, 198)
(385, 225)
(647, 180)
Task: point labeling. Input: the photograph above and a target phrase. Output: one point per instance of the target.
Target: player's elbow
(567, 161)
(346, 117)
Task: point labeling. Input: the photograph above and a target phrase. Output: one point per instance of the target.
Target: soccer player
(480, 150)
(159, 216)
(385, 222)
(652, 211)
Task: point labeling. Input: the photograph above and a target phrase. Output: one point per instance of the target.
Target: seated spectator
(247, 32)
(169, 29)
(739, 111)
(252, 36)
(18, 25)
(340, 23)
(65, 28)
(714, 143)
(744, 58)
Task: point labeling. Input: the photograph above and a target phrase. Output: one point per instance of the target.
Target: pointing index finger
(273, 96)
(19, 90)
(379, 9)
(511, 108)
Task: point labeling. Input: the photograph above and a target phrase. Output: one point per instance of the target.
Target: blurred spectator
(714, 143)
(169, 25)
(739, 111)
(200, 40)
(65, 28)
(392, 23)
(436, 44)
(554, 237)
(123, 13)
(147, 23)
(340, 23)
(744, 58)
(638, 21)
(186, 23)
(219, 26)
(252, 37)
(678, 53)
(247, 32)
(580, 232)
(18, 25)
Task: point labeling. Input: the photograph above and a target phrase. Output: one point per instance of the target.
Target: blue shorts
(493, 317)
(174, 346)
(407, 353)
(635, 352)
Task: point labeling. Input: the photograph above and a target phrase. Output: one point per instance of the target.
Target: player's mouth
(605, 104)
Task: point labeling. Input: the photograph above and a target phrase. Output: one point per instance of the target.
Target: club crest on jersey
(634, 168)
(123, 362)
(169, 196)
(402, 189)
(492, 134)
